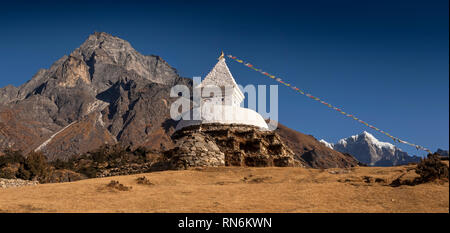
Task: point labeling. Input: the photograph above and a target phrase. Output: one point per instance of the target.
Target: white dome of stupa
(223, 109)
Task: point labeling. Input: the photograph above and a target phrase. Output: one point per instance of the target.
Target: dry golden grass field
(237, 189)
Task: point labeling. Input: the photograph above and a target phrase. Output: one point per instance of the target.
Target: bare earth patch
(236, 189)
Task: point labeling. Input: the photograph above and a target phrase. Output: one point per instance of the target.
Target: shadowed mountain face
(105, 92)
(442, 152)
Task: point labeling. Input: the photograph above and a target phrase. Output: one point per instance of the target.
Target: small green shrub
(431, 168)
(10, 157)
(114, 184)
(23, 173)
(7, 173)
(60, 164)
(11, 164)
(144, 180)
(90, 172)
(36, 163)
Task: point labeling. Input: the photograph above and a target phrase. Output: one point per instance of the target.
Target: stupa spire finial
(222, 55)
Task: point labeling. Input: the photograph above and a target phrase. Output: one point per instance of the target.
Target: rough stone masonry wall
(228, 145)
(195, 150)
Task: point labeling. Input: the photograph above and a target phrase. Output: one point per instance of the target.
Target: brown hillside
(313, 153)
(78, 138)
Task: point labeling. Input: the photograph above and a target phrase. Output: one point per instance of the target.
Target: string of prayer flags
(418, 147)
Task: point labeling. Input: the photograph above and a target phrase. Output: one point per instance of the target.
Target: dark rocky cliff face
(105, 92)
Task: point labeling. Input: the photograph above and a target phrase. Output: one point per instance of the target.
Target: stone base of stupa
(215, 145)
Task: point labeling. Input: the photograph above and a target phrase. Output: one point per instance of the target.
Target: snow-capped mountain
(369, 150)
(327, 144)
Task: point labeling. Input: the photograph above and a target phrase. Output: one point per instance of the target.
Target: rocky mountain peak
(369, 137)
(103, 36)
(368, 149)
(367, 134)
(102, 41)
(365, 138)
(103, 92)
(103, 51)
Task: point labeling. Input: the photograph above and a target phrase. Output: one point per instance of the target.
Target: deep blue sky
(384, 61)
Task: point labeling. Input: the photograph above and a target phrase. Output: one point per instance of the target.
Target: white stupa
(221, 109)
